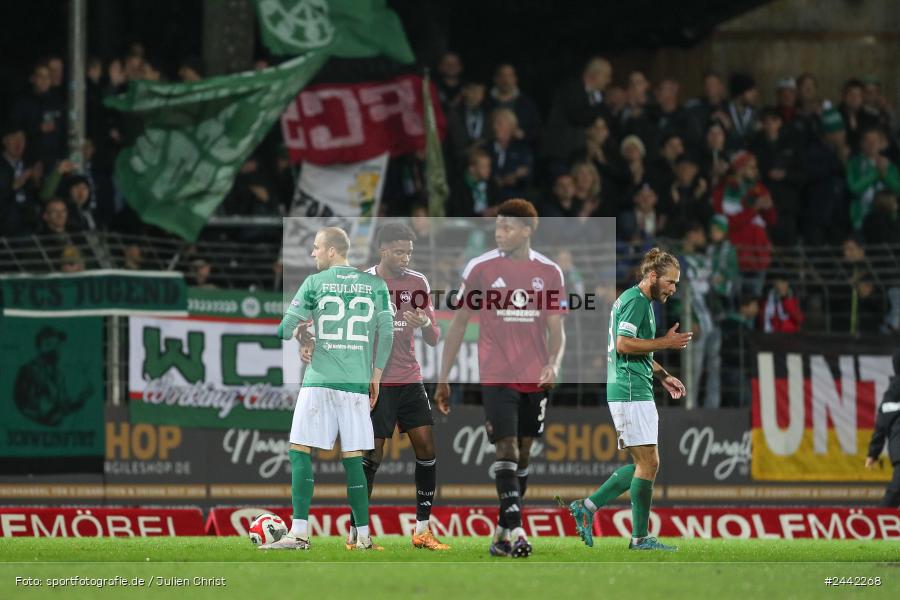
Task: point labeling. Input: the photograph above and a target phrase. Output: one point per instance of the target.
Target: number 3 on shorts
(542, 415)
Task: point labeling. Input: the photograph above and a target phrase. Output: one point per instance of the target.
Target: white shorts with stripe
(322, 414)
(636, 422)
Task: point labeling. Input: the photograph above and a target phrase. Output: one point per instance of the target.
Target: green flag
(196, 136)
(343, 28)
(435, 177)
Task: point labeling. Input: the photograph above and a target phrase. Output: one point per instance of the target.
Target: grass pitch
(560, 568)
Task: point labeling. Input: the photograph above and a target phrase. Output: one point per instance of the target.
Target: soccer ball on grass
(267, 528)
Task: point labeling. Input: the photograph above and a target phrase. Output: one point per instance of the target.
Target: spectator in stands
(78, 197)
(854, 261)
(781, 310)
(712, 105)
(738, 359)
(588, 189)
(511, 158)
(575, 106)
(506, 94)
(18, 184)
(449, 79)
(476, 193)
(133, 258)
(190, 69)
(615, 98)
(640, 224)
(742, 107)
(71, 260)
(200, 274)
(662, 170)
(725, 278)
(856, 120)
(638, 117)
(707, 342)
(562, 201)
(57, 69)
(715, 165)
(868, 172)
(782, 168)
(671, 118)
(877, 104)
(633, 153)
(826, 208)
(882, 225)
(869, 308)
(468, 123)
(843, 303)
(747, 204)
(809, 105)
(420, 223)
(41, 114)
(601, 151)
(688, 197)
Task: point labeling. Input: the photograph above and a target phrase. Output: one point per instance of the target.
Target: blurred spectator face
(564, 260)
(201, 272)
(133, 257)
(685, 171)
(56, 67)
(717, 234)
(645, 199)
(249, 167)
(260, 64)
(151, 73)
(637, 87)
(853, 252)
(95, 70)
(750, 171)
(71, 260)
(14, 145)
(865, 288)
(750, 97)
(504, 125)
(450, 65)
(715, 138)
(772, 126)
(782, 287)
(853, 97)
(787, 96)
(872, 95)
(616, 98)
(564, 188)
(473, 95)
(750, 310)
(673, 148)
(587, 180)
(505, 79)
(667, 95)
(420, 222)
(713, 88)
(807, 89)
(837, 138)
(598, 133)
(480, 167)
(80, 193)
(55, 216)
(134, 67)
(87, 149)
(632, 153)
(872, 143)
(696, 237)
(597, 74)
(40, 80)
(186, 73)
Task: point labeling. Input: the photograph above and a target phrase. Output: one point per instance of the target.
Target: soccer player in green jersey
(632, 342)
(351, 313)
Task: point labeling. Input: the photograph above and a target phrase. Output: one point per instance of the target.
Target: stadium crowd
(727, 182)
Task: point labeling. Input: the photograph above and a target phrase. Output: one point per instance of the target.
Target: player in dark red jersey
(403, 400)
(519, 295)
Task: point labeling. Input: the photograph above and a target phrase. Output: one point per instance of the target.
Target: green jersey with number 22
(348, 307)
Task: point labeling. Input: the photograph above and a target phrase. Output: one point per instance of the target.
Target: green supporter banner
(342, 28)
(103, 292)
(223, 366)
(196, 136)
(51, 387)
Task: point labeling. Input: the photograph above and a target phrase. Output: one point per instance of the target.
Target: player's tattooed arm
(556, 342)
(455, 334)
(673, 340)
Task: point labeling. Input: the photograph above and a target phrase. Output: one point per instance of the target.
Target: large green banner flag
(51, 387)
(196, 136)
(343, 28)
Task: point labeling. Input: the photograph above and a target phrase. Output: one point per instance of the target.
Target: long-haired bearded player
(520, 299)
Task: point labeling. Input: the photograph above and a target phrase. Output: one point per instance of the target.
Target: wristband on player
(427, 323)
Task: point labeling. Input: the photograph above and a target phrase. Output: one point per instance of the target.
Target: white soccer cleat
(288, 542)
(367, 544)
(350, 544)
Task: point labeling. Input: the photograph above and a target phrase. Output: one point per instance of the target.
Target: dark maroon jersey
(513, 299)
(408, 291)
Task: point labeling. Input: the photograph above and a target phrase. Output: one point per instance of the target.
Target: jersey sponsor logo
(537, 283)
(405, 296)
(498, 283)
(628, 328)
(519, 298)
(295, 303)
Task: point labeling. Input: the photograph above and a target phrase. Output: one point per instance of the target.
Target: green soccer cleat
(651, 543)
(584, 520)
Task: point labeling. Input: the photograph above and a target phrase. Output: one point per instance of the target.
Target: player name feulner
(347, 288)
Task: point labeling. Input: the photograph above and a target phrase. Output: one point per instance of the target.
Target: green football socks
(617, 484)
(357, 490)
(302, 483)
(641, 497)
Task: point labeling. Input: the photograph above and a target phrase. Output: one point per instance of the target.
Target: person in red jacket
(747, 204)
(781, 312)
